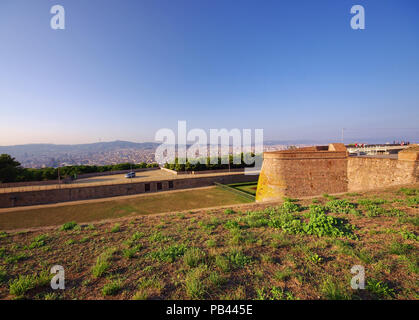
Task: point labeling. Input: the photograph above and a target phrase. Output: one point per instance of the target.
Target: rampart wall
(328, 169)
(27, 198)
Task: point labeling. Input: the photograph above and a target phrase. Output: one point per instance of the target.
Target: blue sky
(124, 69)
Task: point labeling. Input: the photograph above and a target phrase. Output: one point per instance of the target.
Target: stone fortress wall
(316, 170)
(27, 198)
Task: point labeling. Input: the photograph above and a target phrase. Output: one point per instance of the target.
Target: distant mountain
(99, 153)
(89, 147)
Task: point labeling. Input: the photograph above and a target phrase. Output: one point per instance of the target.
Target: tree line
(210, 163)
(12, 171)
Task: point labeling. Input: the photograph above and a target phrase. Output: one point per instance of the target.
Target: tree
(9, 168)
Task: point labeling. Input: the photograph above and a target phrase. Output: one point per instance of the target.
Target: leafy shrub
(320, 224)
(229, 211)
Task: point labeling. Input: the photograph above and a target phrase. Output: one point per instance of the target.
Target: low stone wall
(64, 194)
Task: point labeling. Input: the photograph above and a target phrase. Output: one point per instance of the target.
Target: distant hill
(99, 153)
(90, 147)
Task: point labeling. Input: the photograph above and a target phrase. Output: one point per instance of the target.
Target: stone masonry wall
(373, 173)
(84, 193)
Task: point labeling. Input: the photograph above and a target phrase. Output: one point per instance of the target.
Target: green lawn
(248, 187)
(142, 205)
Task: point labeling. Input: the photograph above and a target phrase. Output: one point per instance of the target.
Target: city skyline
(124, 71)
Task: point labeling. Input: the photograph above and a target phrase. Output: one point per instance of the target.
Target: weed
(400, 248)
(283, 275)
(194, 284)
(193, 257)
(130, 252)
(223, 263)
(68, 226)
(102, 263)
(24, 283)
(332, 290)
(211, 243)
(39, 241)
(379, 289)
(112, 288)
(169, 254)
(340, 206)
(3, 274)
(238, 259)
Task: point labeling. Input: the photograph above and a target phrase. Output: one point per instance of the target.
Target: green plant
(24, 283)
(193, 257)
(238, 259)
(409, 191)
(159, 237)
(332, 290)
(229, 211)
(340, 206)
(320, 224)
(137, 236)
(379, 289)
(407, 235)
(195, 286)
(112, 288)
(116, 228)
(39, 241)
(169, 254)
(412, 201)
(315, 258)
(400, 248)
(130, 252)
(3, 274)
(102, 263)
(68, 226)
(223, 263)
(211, 243)
(283, 275)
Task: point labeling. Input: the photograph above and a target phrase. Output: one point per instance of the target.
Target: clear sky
(124, 69)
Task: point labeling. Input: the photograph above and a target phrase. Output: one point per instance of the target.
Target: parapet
(410, 154)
